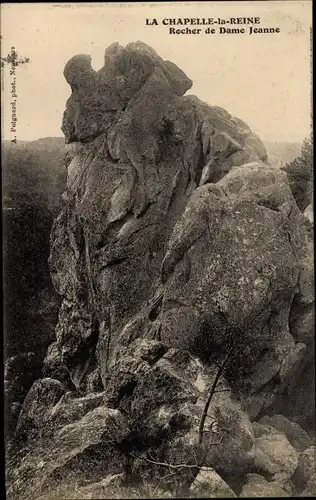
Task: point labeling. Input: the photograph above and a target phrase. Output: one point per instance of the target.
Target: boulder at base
(208, 484)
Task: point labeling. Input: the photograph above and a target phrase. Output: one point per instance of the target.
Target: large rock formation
(178, 251)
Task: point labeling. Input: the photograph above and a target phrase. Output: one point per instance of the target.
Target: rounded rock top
(77, 68)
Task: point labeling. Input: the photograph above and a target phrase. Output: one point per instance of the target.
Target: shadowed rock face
(176, 239)
(148, 150)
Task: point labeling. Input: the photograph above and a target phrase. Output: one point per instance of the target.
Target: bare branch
(167, 476)
(172, 466)
(211, 426)
(211, 417)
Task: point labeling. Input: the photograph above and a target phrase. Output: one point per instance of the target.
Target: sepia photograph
(158, 250)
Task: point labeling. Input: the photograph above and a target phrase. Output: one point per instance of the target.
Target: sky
(264, 79)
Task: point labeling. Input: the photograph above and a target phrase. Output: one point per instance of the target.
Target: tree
(305, 160)
(300, 173)
(198, 461)
(13, 59)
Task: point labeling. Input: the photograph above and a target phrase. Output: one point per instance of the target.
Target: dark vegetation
(300, 173)
(33, 178)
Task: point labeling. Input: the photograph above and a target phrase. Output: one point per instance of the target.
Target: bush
(300, 174)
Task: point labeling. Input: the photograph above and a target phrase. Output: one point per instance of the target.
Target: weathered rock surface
(306, 468)
(208, 484)
(85, 448)
(70, 408)
(102, 489)
(258, 486)
(164, 399)
(179, 252)
(294, 433)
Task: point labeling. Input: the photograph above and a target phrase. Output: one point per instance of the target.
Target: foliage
(300, 172)
(33, 180)
(304, 161)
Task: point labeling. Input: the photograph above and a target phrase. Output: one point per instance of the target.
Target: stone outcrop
(39, 402)
(306, 468)
(179, 252)
(300, 175)
(309, 213)
(275, 456)
(20, 371)
(294, 433)
(258, 486)
(85, 448)
(208, 484)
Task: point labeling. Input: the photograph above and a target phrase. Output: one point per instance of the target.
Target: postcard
(158, 249)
